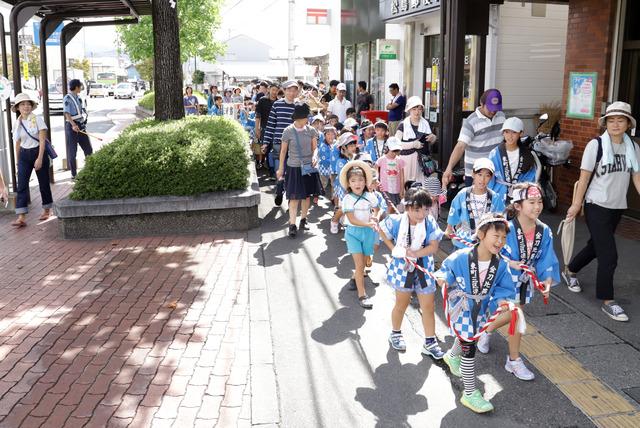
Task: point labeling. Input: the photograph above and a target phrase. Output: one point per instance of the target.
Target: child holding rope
(478, 283)
(347, 144)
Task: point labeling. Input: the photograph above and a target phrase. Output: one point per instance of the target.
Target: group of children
(494, 223)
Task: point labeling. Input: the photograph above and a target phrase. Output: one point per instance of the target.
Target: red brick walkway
(133, 332)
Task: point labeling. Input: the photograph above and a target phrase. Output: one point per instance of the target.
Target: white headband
(526, 193)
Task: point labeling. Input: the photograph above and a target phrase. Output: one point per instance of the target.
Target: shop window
(348, 62)
(471, 80)
(377, 88)
(362, 67)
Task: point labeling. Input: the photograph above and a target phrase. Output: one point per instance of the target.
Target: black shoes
(293, 231)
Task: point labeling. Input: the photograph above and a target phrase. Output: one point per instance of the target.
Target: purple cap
(493, 100)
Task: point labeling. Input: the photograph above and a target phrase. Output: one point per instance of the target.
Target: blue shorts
(360, 240)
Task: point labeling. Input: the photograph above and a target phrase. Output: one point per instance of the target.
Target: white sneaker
(614, 311)
(572, 281)
(483, 343)
(334, 228)
(519, 370)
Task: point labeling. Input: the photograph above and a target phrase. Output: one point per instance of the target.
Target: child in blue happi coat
(376, 145)
(413, 236)
(472, 202)
(347, 144)
(513, 162)
(529, 241)
(479, 282)
(325, 149)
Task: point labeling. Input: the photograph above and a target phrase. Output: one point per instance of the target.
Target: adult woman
(299, 143)
(415, 134)
(226, 98)
(237, 96)
(190, 102)
(608, 164)
(30, 135)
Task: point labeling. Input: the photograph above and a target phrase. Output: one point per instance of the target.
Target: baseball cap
(483, 163)
(493, 100)
(289, 83)
(513, 124)
(350, 123)
(393, 144)
(341, 87)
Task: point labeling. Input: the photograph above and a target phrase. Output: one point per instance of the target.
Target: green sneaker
(453, 363)
(476, 402)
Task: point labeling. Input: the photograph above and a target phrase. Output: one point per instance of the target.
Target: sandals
(19, 223)
(45, 215)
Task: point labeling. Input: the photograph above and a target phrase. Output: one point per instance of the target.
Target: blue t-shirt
(396, 113)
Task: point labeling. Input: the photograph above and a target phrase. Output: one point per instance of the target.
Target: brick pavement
(131, 332)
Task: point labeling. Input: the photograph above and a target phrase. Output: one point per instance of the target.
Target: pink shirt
(390, 174)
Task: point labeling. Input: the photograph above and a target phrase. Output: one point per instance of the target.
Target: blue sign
(54, 38)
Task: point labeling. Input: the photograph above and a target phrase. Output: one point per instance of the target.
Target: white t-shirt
(339, 108)
(610, 182)
(360, 206)
(34, 124)
(483, 268)
(478, 204)
(514, 160)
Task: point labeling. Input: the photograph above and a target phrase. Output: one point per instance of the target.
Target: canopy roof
(95, 7)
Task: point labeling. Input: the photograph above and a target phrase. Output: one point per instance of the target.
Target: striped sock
(456, 349)
(467, 369)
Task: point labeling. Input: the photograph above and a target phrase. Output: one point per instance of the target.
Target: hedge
(147, 101)
(182, 157)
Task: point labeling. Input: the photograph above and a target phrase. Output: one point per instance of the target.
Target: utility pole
(291, 56)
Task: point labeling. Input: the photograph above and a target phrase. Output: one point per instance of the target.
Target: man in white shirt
(340, 104)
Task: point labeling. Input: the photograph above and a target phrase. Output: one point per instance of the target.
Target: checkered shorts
(397, 278)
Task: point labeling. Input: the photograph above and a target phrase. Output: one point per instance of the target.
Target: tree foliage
(198, 21)
(145, 68)
(82, 64)
(198, 77)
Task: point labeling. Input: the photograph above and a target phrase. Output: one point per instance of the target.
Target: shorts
(325, 180)
(360, 240)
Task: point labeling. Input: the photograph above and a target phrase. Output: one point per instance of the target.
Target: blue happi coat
(374, 148)
(338, 191)
(397, 270)
(459, 216)
(335, 155)
(455, 271)
(324, 156)
(545, 262)
(497, 183)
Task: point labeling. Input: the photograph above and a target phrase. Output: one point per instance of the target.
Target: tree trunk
(168, 70)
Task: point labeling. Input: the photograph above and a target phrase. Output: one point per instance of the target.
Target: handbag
(428, 165)
(306, 168)
(48, 147)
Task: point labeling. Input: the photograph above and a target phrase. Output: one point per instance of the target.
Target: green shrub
(181, 157)
(147, 101)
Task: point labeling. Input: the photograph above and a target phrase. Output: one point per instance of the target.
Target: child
(414, 235)
(439, 196)
(351, 113)
(325, 159)
(360, 207)
(479, 282)
(472, 202)
(366, 133)
(332, 120)
(216, 109)
(513, 163)
(530, 242)
(348, 149)
(391, 171)
(376, 145)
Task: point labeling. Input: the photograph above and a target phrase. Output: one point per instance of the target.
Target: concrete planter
(161, 215)
(143, 113)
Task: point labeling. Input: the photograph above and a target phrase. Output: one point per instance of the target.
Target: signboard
(25, 70)
(54, 38)
(317, 16)
(391, 9)
(387, 49)
(581, 101)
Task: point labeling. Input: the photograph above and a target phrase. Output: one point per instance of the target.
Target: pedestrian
(237, 97)
(364, 101)
(30, 136)
(263, 108)
(609, 162)
(340, 103)
(513, 162)
(472, 203)
(299, 141)
(331, 93)
(391, 172)
(361, 208)
(263, 89)
(75, 116)
(376, 146)
(481, 132)
(413, 238)
(415, 134)
(325, 150)
(347, 145)
(396, 108)
(280, 116)
(366, 133)
(211, 99)
(479, 282)
(217, 109)
(529, 242)
(190, 102)
(332, 120)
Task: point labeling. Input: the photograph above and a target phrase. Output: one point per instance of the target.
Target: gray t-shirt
(610, 182)
(305, 135)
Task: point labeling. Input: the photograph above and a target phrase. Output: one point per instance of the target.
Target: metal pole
(5, 73)
(291, 54)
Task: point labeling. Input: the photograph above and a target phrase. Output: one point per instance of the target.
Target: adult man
(340, 104)
(262, 91)
(263, 108)
(75, 117)
(326, 98)
(480, 133)
(395, 107)
(364, 102)
(279, 119)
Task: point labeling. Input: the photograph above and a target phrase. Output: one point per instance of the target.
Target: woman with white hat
(415, 134)
(609, 162)
(30, 135)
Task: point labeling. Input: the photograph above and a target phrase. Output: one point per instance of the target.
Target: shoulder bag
(48, 147)
(306, 168)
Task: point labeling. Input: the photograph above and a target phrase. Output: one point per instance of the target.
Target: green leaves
(147, 101)
(181, 157)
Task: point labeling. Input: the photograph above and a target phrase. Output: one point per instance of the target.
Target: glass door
(431, 79)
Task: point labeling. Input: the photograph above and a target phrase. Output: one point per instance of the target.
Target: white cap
(483, 163)
(365, 157)
(341, 87)
(393, 144)
(317, 117)
(412, 102)
(350, 123)
(513, 124)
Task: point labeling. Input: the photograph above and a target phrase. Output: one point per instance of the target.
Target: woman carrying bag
(415, 134)
(608, 164)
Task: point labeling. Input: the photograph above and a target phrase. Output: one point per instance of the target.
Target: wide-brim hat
(21, 97)
(618, 108)
(412, 102)
(368, 172)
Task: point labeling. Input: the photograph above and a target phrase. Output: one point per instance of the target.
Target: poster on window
(582, 95)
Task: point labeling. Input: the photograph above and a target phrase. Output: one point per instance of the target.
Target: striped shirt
(481, 135)
(279, 119)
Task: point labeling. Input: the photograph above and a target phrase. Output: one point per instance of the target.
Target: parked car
(125, 90)
(98, 90)
(55, 99)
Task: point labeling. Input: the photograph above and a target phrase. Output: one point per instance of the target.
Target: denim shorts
(360, 240)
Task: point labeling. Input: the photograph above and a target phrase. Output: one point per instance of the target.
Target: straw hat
(368, 172)
(21, 97)
(618, 109)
